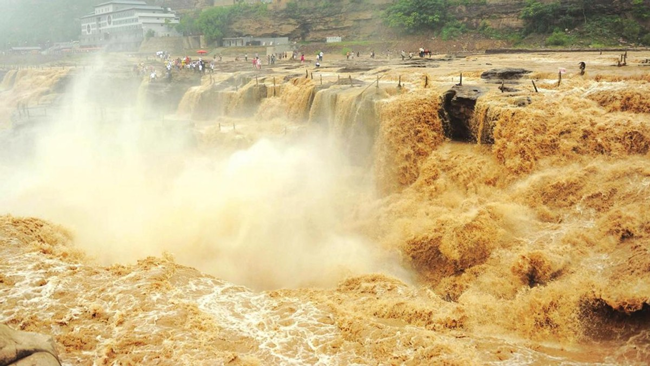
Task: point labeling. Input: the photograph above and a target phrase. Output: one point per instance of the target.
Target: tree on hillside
(539, 17)
(188, 23)
(214, 22)
(415, 16)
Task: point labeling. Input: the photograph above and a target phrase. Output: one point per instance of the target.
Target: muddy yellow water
(334, 224)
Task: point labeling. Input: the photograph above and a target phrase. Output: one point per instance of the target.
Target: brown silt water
(277, 219)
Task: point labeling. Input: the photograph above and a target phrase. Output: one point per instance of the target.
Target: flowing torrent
(330, 218)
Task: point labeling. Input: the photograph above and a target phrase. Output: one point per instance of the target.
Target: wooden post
(461, 79)
(399, 81)
(312, 76)
(559, 78)
(534, 86)
(503, 87)
(274, 86)
(306, 74)
(426, 80)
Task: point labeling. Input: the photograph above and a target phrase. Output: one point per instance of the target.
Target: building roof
(147, 7)
(123, 2)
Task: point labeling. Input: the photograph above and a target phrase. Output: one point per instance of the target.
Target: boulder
(26, 349)
(507, 73)
(456, 111)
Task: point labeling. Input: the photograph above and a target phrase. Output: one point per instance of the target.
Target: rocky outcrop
(456, 112)
(507, 73)
(498, 14)
(26, 349)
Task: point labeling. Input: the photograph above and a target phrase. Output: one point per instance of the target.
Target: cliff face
(357, 25)
(361, 19)
(499, 14)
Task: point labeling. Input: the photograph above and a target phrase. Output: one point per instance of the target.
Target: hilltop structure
(122, 25)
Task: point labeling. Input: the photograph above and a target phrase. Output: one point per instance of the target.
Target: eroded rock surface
(24, 348)
(507, 73)
(457, 109)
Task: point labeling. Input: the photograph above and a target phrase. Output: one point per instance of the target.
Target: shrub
(558, 38)
(646, 39)
(539, 17)
(416, 16)
(631, 30)
(452, 30)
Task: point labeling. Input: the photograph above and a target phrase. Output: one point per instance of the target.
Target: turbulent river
(282, 218)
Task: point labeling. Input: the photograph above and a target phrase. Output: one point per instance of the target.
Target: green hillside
(528, 22)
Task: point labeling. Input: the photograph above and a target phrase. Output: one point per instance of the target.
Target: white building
(122, 25)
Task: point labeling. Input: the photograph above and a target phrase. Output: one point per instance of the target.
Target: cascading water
(531, 249)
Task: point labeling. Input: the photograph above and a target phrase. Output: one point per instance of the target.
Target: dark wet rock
(457, 109)
(422, 62)
(505, 74)
(508, 89)
(522, 101)
(26, 349)
(348, 69)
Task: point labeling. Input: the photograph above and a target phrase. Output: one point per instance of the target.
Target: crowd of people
(201, 65)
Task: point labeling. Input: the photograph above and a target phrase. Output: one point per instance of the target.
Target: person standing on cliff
(302, 58)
